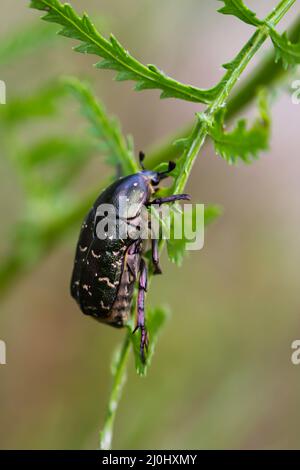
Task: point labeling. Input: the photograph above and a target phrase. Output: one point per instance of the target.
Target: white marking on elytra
(103, 306)
(108, 282)
(94, 255)
(82, 248)
(85, 287)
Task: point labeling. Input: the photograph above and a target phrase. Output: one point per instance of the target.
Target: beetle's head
(155, 177)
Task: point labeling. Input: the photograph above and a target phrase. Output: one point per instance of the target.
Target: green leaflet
(285, 50)
(241, 143)
(238, 8)
(156, 319)
(115, 56)
(117, 148)
(211, 213)
(177, 247)
(181, 222)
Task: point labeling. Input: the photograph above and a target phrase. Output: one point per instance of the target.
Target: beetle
(107, 269)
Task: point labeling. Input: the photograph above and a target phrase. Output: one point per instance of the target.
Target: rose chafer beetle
(106, 270)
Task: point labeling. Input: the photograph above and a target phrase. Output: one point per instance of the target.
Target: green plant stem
(200, 131)
(119, 377)
(197, 140)
(267, 73)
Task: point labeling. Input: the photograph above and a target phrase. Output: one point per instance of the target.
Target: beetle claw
(136, 328)
(144, 341)
(144, 344)
(157, 269)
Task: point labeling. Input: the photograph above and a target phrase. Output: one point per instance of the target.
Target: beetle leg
(133, 259)
(155, 256)
(132, 263)
(175, 197)
(141, 309)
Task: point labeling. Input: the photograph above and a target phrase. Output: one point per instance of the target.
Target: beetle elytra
(106, 270)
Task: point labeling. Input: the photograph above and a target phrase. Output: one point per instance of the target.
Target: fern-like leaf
(118, 149)
(177, 247)
(241, 143)
(238, 8)
(285, 50)
(115, 56)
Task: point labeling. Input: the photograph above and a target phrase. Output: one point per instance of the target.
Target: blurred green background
(222, 375)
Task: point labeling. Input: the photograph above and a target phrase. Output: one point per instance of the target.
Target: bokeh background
(222, 375)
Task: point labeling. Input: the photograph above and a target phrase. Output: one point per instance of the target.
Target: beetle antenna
(171, 167)
(141, 160)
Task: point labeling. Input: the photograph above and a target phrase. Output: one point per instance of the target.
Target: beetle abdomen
(121, 307)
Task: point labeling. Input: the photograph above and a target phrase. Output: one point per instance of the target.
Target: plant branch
(194, 144)
(43, 238)
(236, 67)
(266, 74)
(119, 376)
(107, 129)
(115, 56)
